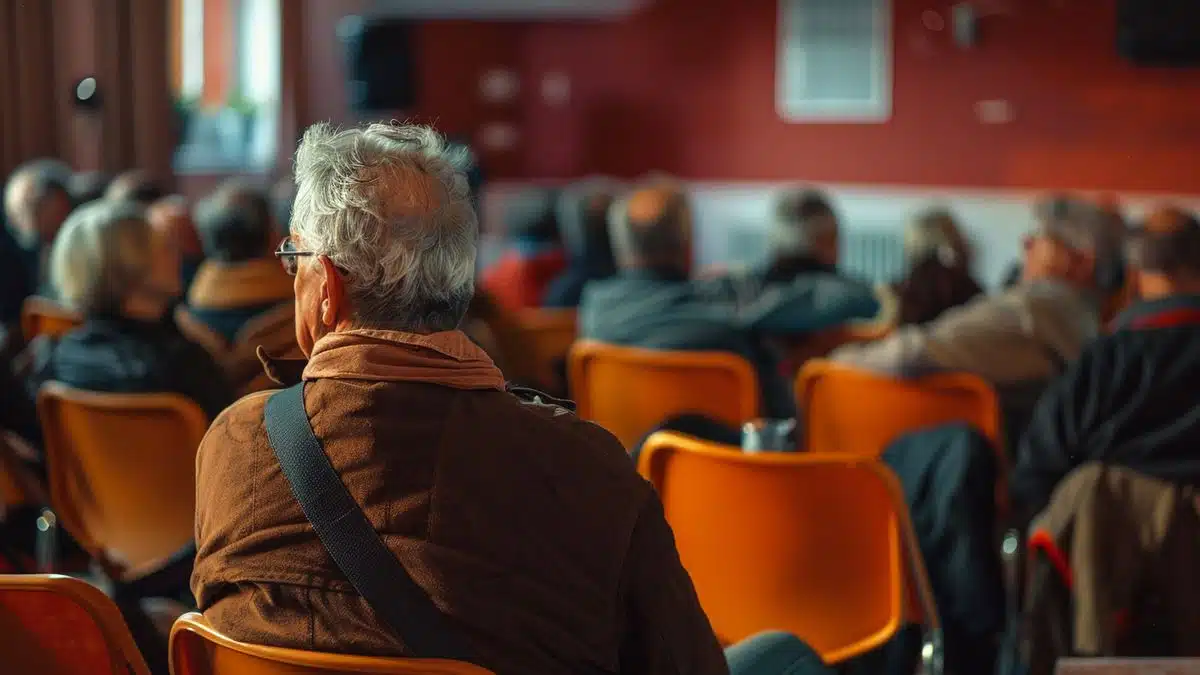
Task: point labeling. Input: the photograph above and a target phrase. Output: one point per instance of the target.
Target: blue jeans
(774, 653)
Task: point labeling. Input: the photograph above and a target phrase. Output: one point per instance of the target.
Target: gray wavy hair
(389, 205)
(101, 255)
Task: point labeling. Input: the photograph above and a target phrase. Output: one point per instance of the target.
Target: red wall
(688, 87)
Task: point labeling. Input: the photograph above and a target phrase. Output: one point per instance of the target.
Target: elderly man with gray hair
(653, 302)
(473, 520)
(36, 202)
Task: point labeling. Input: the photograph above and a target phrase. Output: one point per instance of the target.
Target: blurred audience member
(804, 237)
(122, 275)
(534, 256)
(417, 421)
(241, 299)
(583, 226)
(88, 186)
(939, 275)
(240, 278)
(36, 202)
(135, 186)
(1019, 339)
(1132, 398)
(653, 303)
(173, 215)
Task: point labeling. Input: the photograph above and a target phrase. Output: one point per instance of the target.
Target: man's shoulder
(238, 422)
(555, 421)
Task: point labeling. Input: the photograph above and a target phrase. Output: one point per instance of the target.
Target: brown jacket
(526, 525)
(1123, 547)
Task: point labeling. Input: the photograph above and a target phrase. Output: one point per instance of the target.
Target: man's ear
(333, 292)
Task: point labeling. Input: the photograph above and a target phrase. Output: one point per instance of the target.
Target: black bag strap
(348, 536)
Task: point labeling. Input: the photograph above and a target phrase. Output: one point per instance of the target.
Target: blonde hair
(101, 255)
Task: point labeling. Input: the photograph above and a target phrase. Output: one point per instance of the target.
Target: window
(835, 61)
(226, 81)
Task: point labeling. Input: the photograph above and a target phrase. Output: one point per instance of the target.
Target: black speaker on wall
(380, 64)
(1163, 33)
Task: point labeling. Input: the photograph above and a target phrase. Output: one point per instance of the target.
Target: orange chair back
(818, 545)
(122, 472)
(549, 334)
(629, 391)
(850, 410)
(199, 649)
(41, 316)
(56, 625)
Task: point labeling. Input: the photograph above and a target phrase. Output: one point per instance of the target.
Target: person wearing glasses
(527, 527)
(122, 275)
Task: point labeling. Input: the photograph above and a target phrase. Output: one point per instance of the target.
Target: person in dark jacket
(583, 226)
(1131, 399)
(36, 202)
(109, 265)
(653, 303)
(939, 275)
(804, 237)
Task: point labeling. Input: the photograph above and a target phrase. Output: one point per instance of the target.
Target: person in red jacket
(534, 255)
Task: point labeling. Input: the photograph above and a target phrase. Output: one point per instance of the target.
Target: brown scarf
(220, 285)
(448, 358)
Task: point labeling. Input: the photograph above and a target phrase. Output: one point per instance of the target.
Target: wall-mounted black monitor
(1162, 33)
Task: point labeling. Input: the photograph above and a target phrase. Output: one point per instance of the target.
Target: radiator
(872, 255)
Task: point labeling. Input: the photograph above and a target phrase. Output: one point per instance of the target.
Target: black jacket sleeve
(1055, 442)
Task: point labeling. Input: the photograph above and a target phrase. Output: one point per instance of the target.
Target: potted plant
(247, 112)
(185, 108)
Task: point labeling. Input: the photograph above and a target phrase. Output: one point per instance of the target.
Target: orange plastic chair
(629, 391)
(122, 473)
(846, 409)
(549, 334)
(41, 316)
(817, 545)
(56, 625)
(199, 649)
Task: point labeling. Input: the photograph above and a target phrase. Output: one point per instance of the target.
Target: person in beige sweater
(1020, 338)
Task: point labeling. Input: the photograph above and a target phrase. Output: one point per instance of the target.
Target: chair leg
(47, 542)
(933, 653)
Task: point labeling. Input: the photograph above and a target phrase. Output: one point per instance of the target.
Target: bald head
(36, 201)
(652, 228)
(135, 186)
(1165, 253)
(173, 216)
